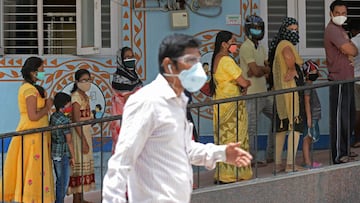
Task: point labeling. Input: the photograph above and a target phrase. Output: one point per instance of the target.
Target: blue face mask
(191, 79)
(40, 75)
(255, 32)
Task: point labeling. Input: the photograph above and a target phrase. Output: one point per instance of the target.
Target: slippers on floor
(353, 154)
(356, 145)
(344, 159)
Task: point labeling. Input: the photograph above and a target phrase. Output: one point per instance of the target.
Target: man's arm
(349, 49)
(257, 71)
(137, 126)
(208, 155)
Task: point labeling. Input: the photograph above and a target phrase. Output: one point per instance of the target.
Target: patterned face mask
(292, 36)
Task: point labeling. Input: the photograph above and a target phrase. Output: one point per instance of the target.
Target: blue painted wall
(154, 26)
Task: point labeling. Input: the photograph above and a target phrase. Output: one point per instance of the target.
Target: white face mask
(84, 86)
(339, 20)
(192, 79)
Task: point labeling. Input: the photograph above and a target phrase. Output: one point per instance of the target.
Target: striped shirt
(155, 150)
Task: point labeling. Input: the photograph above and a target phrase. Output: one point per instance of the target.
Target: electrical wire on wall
(194, 7)
(172, 5)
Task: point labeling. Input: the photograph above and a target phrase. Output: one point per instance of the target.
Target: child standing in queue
(62, 149)
(313, 113)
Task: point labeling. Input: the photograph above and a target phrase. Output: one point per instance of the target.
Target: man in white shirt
(355, 31)
(155, 151)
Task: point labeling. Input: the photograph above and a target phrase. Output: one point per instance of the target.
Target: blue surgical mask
(40, 75)
(255, 32)
(191, 79)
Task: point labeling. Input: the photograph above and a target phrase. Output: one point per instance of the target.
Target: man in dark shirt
(339, 50)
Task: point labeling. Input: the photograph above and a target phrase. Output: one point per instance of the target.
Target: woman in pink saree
(125, 82)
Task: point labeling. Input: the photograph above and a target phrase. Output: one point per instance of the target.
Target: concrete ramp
(336, 183)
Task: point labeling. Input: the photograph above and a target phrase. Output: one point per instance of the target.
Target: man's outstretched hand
(237, 156)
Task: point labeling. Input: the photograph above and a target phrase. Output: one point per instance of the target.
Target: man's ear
(167, 63)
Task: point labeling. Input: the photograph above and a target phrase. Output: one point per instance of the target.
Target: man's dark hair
(174, 46)
(61, 99)
(337, 3)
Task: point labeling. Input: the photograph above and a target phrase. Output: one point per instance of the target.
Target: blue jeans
(62, 172)
(314, 130)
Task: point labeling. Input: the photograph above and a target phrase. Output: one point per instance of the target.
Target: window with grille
(277, 11)
(311, 17)
(353, 11)
(315, 23)
(51, 26)
(1, 29)
(20, 27)
(59, 26)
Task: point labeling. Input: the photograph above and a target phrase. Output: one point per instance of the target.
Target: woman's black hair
(222, 36)
(78, 75)
(123, 50)
(32, 64)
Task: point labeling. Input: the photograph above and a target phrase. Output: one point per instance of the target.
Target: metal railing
(103, 163)
(195, 108)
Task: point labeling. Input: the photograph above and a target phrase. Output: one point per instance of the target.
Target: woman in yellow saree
(28, 173)
(230, 119)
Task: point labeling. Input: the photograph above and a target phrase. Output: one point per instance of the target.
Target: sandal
(279, 168)
(353, 154)
(314, 165)
(343, 159)
(290, 168)
(219, 182)
(356, 145)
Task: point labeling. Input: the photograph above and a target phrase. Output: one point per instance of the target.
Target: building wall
(143, 31)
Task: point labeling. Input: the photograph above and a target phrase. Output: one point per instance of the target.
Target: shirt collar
(252, 42)
(166, 91)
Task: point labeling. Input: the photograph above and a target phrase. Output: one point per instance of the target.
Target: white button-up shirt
(356, 41)
(155, 150)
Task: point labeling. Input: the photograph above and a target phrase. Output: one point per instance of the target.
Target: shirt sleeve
(247, 55)
(137, 126)
(230, 67)
(203, 154)
(65, 121)
(264, 53)
(207, 154)
(30, 91)
(75, 98)
(356, 40)
(338, 37)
